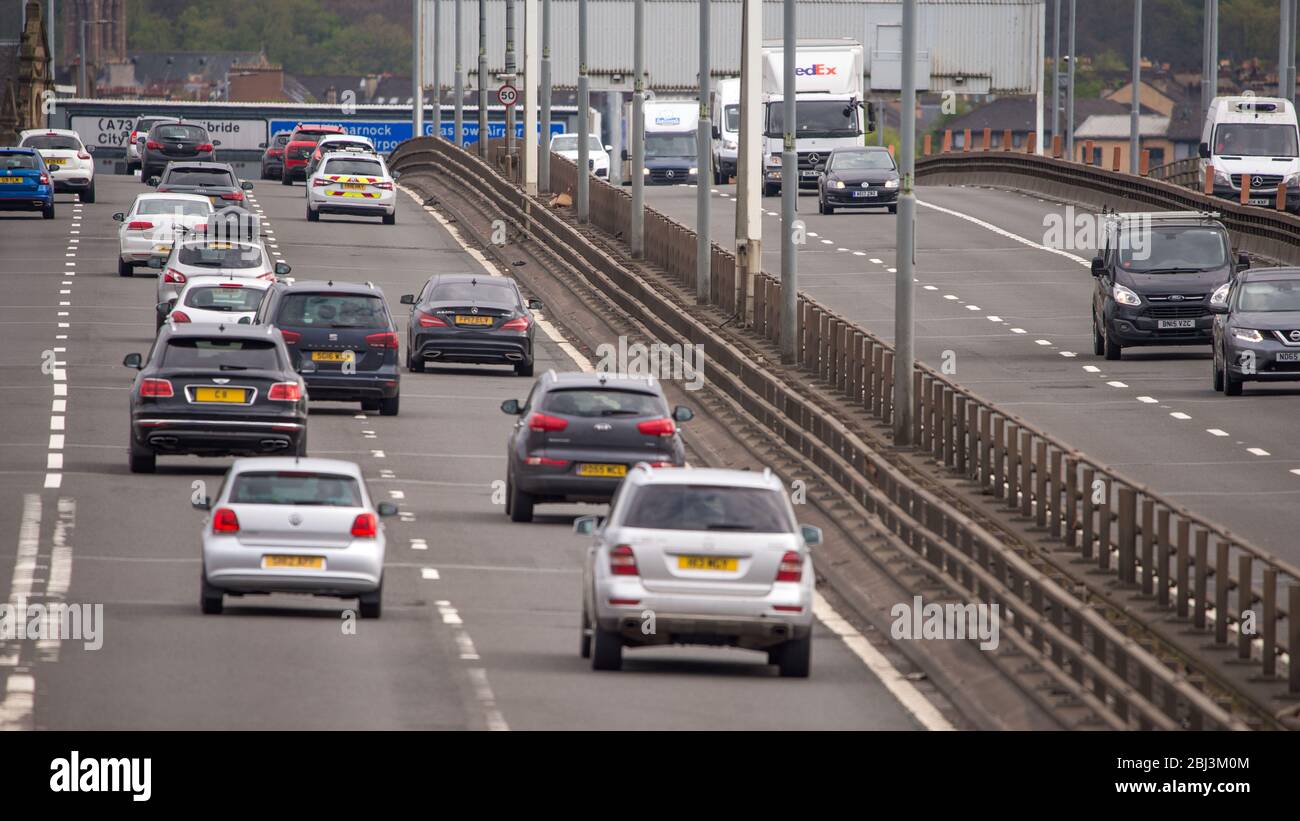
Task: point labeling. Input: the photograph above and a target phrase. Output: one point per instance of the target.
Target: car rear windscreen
(327, 310)
(498, 291)
(219, 255)
(185, 208)
(295, 488)
(217, 177)
(221, 354)
(344, 165)
(179, 132)
(19, 162)
(707, 507)
(52, 142)
(603, 402)
(231, 298)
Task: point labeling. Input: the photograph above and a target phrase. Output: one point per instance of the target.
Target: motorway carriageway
(480, 625)
(1016, 317)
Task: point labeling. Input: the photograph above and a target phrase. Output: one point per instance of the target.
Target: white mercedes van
(1256, 137)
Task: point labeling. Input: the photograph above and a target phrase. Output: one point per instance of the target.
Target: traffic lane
(1114, 411)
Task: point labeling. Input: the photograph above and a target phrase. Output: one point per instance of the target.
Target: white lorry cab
(828, 106)
(1255, 138)
(670, 151)
(724, 112)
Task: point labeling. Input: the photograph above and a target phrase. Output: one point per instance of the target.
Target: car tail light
(791, 568)
(231, 285)
(624, 602)
(83, 155)
(542, 460)
(178, 316)
(285, 392)
(387, 186)
(139, 225)
(788, 608)
(657, 427)
(135, 135)
(661, 464)
(45, 178)
(519, 323)
(319, 182)
(290, 337)
(237, 196)
(547, 424)
(429, 320)
(224, 520)
(203, 147)
(387, 339)
(365, 526)
(157, 388)
(153, 146)
(622, 561)
(175, 277)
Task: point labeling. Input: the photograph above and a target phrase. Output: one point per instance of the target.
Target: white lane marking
(1088, 368)
(1117, 384)
(877, 261)
(419, 544)
(892, 270)
(1149, 400)
(931, 287)
(20, 690)
(1017, 330)
(1004, 233)
(951, 296)
(1258, 451)
(992, 318)
(911, 698)
(1296, 471)
(1216, 432)
(396, 494)
(972, 307)
(859, 253)
(1068, 354)
(54, 461)
(378, 454)
(1042, 342)
(1180, 415)
(53, 480)
(430, 573)
(495, 721)
(56, 441)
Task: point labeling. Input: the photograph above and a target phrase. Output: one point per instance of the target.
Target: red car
(302, 142)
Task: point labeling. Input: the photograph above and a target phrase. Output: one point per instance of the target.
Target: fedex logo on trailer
(815, 70)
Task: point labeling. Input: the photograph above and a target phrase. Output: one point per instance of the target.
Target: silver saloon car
(286, 525)
(699, 556)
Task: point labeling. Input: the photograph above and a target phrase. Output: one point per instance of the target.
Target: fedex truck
(670, 151)
(828, 106)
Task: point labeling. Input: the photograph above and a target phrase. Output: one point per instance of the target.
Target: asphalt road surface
(1014, 316)
(480, 625)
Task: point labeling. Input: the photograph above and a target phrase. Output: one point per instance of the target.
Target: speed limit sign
(508, 95)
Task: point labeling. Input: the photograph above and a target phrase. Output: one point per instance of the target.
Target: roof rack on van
(1162, 215)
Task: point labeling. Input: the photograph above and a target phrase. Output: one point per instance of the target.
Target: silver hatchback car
(699, 556)
(286, 525)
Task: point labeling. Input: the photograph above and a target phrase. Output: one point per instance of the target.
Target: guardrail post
(917, 400)
(961, 449)
(1103, 528)
(1245, 604)
(887, 386)
(1183, 562)
(835, 328)
(1127, 533)
(1222, 586)
(1148, 546)
(947, 426)
(923, 429)
(1026, 473)
(999, 457)
(1054, 496)
(1013, 466)
(1115, 160)
(935, 419)
(1144, 162)
(927, 145)
(1162, 560)
(1202, 576)
(965, 141)
(947, 140)
(1268, 624)
(1071, 501)
(988, 139)
(1042, 503)
(878, 380)
(846, 355)
(1056, 146)
(1280, 204)
(1007, 139)
(1293, 636)
(1031, 143)
(1207, 186)
(857, 364)
(986, 450)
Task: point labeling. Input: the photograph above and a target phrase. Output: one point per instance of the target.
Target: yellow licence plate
(354, 186)
(304, 562)
(10, 180)
(330, 356)
(55, 161)
(235, 395)
(721, 563)
(163, 249)
(474, 320)
(602, 470)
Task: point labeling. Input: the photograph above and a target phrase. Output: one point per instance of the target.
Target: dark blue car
(25, 183)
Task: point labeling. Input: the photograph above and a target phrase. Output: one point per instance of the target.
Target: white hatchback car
(354, 183)
(154, 223)
(203, 257)
(566, 145)
(699, 556)
(216, 299)
(70, 162)
(294, 525)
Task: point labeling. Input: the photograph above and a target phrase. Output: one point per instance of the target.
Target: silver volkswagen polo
(286, 525)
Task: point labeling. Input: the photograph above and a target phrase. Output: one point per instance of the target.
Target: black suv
(1154, 276)
(578, 434)
(215, 390)
(344, 329)
(469, 318)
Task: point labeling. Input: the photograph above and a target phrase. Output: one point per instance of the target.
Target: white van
(724, 112)
(1256, 137)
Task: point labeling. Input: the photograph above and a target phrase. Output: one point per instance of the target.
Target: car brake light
(224, 520)
(203, 147)
(153, 146)
(622, 561)
(178, 316)
(430, 321)
(285, 392)
(791, 567)
(231, 285)
(290, 337)
(45, 178)
(157, 388)
(547, 424)
(542, 460)
(387, 186)
(139, 225)
(135, 135)
(519, 323)
(173, 276)
(319, 182)
(238, 196)
(624, 602)
(657, 427)
(365, 526)
(83, 155)
(388, 339)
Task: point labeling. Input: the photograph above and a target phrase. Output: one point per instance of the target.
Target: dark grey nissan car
(578, 434)
(1257, 329)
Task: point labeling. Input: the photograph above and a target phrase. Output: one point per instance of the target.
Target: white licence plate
(1260, 201)
(865, 193)
(1288, 356)
(808, 173)
(1175, 323)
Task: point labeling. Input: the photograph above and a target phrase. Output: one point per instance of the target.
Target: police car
(352, 182)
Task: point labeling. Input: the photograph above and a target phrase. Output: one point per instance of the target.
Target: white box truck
(1256, 138)
(670, 151)
(828, 96)
(724, 112)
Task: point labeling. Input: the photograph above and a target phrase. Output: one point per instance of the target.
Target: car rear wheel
(828, 209)
(1218, 373)
(312, 216)
(893, 209)
(390, 219)
(388, 407)
(795, 657)
(142, 460)
(211, 599)
(415, 364)
(48, 211)
(371, 604)
(1231, 385)
(285, 179)
(89, 194)
(607, 650)
(300, 447)
(124, 268)
(519, 504)
(524, 368)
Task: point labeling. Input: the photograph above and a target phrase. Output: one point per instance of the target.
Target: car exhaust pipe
(163, 441)
(274, 444)
(514, 357)
(433, 354)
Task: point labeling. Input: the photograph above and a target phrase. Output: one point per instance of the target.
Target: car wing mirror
(407, 299)
(511, 407)
(216, 143)
(609, 148)
(261, 145)
(245, 320)
(305, 366)
(812, 535)
(534, 304)
(119, 217)
(153, 181)
(1203, 150)
(90, 149)
(165, 308)
(247, 185)
(681, 413)
(585, 525)
(386, 509)
(1098, 266)
(1243, 260)
(282, 268)
(133, 360)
